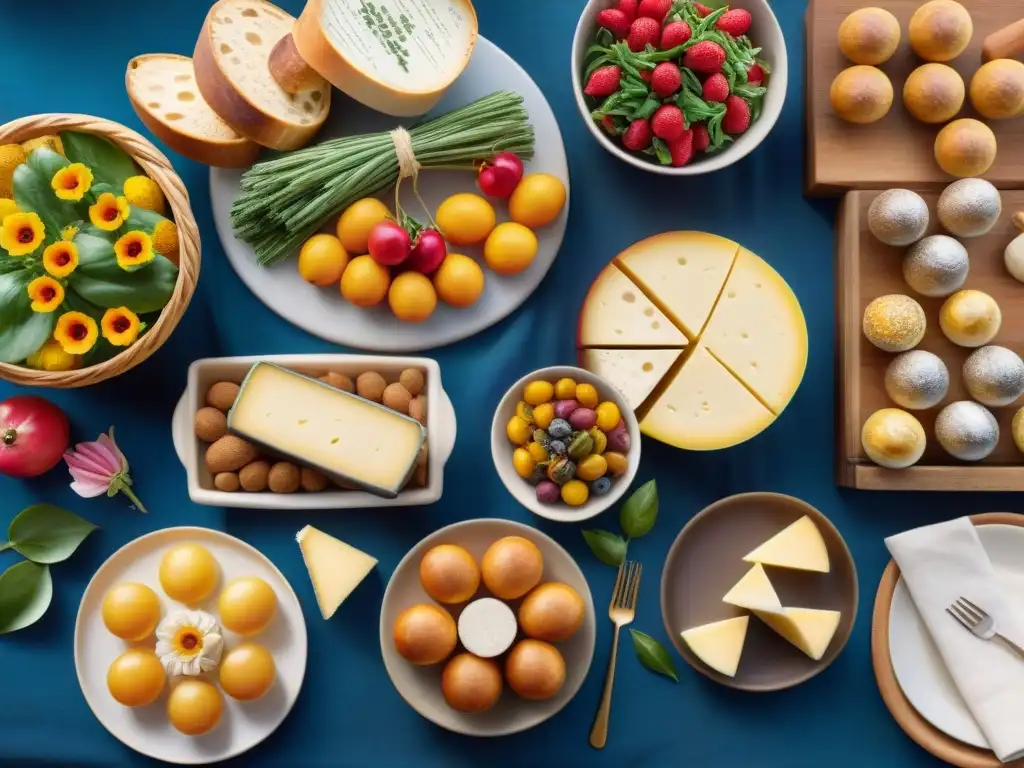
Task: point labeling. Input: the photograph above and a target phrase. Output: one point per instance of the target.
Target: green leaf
(609, 548)
(109, 163)
(32, 192)
(25, 593)
(47, 534)
(661, 151)
(653, 655)
(101, 281)
(46, 163)
(640, 511)
(22, 331)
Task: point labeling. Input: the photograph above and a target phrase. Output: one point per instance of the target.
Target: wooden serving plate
(867, 269)
(897, 151)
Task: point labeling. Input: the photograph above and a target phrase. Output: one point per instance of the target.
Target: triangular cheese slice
(719, 645)
(809, 629)
(634, 372)
(799, 546)
(617, 314)
(754, 592)
(335, 568)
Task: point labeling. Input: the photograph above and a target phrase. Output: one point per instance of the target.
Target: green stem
(8, 545)
(127, 491)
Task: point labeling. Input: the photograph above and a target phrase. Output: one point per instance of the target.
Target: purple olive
(565, 408)
(619, 439)
(548, 492)
(583, 418)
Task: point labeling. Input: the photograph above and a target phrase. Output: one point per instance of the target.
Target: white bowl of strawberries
(677, 87)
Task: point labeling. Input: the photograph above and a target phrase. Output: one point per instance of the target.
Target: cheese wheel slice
(335, 568)
(754, 592)
(685, 271)
(798, 546)
(634, 372)
(809, 629)
(617, 313)
(758, 331)
(719, 645)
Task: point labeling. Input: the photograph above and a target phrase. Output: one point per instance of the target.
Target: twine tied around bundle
(408, 165)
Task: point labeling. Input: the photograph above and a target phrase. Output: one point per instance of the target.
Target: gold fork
(622, 612)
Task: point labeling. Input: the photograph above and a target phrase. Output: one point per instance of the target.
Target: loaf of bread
(233, 73)
(162, 89)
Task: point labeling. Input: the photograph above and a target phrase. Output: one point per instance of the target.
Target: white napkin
(941, 563)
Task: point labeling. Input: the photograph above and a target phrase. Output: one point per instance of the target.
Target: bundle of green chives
(287, 199)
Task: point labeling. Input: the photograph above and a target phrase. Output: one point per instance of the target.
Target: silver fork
(622, 611)
(979, 622)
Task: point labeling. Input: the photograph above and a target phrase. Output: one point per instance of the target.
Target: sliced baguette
(162, 89)
(233, 72)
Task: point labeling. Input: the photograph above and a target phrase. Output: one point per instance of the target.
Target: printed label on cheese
(616, 312)
(634, 372)
(410, 45)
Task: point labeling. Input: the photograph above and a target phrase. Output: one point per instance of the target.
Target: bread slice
(162, 89)
(233, 72)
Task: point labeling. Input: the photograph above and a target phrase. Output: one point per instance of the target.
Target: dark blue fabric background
(70, 56)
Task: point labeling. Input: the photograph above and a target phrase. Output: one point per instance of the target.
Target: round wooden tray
(916, 727)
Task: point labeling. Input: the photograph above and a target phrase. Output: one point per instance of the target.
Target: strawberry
(701, 137)
(615, 21)
(755, 75)
(608, 123)
(667, 122)
(675, 33)
(666, 79)
(735, 21)
(637, 136)
(737, 115)
(681, 149)
(703, 10)
(645, 75)
(643, 31)
(604, 81)
(716, 88)
(629, 7)
(706, 57)
(654, 9)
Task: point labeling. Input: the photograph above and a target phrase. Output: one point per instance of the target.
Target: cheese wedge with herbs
(719, 645)
(754, 592)
(335, 568)
(798, 546)
(616, 312)
(634, 372)
(809, 629)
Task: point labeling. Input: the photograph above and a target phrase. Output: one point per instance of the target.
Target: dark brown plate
(706, 560)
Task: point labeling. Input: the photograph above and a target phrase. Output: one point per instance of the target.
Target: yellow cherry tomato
(591, 467)
(518, 430)
(537, 200)
(188, 573)
(247, 605)
(194, 707)
(510, 248)
(136, 678)
(617, 463)
(525, 411)
(412, 297)
(131, 611)
(538, 393)
(355, 223)
(600, 440)
(465, 219)
(608, 416)
(459, 280)
(538, 452)
(523, 461)
(565, 389)
(575, 493)
(543, 415)
(586, 395)
(365, 282)
(322, 260)
(247, 672)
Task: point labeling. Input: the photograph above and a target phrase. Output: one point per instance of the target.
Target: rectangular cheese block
(349, 439)
(617, 313)
(754, 592)
(634, 372)
(809, 629)
(719, 645)
(335, 568)
(798, 546)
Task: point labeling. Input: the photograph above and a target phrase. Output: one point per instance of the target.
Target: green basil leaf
(609, 548)
(14, 300)
(653, 655)
(109, 163)
(46, 162)
(102, 282)
(32, 192)
(22, 331)
(47, 534)
(640, 511)
(25, 593)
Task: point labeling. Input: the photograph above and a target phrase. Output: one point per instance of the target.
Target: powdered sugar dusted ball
(936, 265)
(994, 375)
(917, 380)
(969, 207)
(898, 217)
(966, 430)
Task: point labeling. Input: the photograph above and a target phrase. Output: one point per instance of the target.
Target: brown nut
(412, 379)
(418, 409)
(338, 381)
(421, 460)
(311, 480)
(284, 478)
(222, 395)
(211, 424)
(370, 385)
(226, 481)
(253, 477)
(420, 476)
(397, 398)
(229, 454)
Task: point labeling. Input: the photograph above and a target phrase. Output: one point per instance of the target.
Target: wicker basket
(158, 168)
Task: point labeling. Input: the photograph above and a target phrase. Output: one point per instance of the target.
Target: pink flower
(100, 467)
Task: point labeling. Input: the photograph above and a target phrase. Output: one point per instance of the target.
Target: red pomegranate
(33, 436)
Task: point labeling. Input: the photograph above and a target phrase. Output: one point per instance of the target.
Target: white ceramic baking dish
(202, 373)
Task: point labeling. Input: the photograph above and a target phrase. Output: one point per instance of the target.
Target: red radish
(643, 32)
(615, 21)
(703, 10)
(755, 75)
(654, 9)
(428, 252)
(737, 115)
(33, 436)
(603, 81)
(716, 88)
(629, 8)
(389, 244)
(681, 149)
(705, 57)
(701, 137)
(637, 136)
(666, 79)
(667, 122)
(500, 177)
(675, 33)
(735, 21)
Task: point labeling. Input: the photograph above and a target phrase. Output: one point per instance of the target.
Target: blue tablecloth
(70, 56)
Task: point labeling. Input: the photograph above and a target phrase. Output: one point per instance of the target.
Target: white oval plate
(421, 686)
(147, 729)
(323, 312)
(919, 668)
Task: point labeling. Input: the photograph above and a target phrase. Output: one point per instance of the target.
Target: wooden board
(868, 269)
(897, 151)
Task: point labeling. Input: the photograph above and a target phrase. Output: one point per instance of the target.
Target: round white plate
(147, 729)
(421, 686)
(919, 668)
(323, 312)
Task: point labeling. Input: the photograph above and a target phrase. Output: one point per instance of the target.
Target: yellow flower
(7, 207)
(52, 357)
(72, 182)
(61, 258)
(143, 192)
(120, 326)
(46, 294)
(109, 212)
(133, 249)
(76, 332)
(69, 232)
(11, 156)
(21, 233)
(50, 142)
(165, 239)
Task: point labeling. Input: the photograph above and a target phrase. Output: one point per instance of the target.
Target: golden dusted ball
(934, 93)
(965, 148)
(970, 318)
(1017, 427)
(940, 30)
(861, 94)
(997, 89)
(894, 323)
(869, 36)
(893, 438)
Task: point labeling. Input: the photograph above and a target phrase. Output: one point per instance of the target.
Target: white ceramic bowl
(765, 32)
(521, 490)
(202, 373)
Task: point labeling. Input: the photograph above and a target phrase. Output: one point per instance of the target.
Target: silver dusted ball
(936, 265)
(898, 217)
(994, 375)
(969, 207)
(917, 380)
(966, 430)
